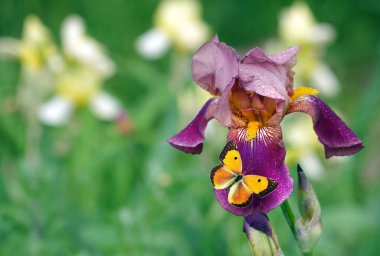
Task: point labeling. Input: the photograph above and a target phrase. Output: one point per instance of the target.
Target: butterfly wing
(224, 176)
(221, 177)
(230, 157)
(239, 195)
(260, 185)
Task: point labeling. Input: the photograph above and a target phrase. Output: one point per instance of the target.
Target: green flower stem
(289, 216)
(291, 220)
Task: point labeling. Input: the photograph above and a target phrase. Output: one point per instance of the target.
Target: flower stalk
(307, 229)
(289, 215)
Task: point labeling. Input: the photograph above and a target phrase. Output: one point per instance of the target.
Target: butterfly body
(241, 188)
(237, 178)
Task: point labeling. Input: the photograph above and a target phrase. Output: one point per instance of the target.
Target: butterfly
(228, 175)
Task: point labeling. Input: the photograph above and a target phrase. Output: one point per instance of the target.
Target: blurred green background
(97, 192)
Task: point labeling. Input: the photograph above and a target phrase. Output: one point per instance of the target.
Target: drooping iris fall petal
(190, 139)
(265, 152)
(337, 138)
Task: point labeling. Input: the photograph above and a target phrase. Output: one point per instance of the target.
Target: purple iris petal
(190, 140)
(282, 192)
(268, 75)
(333, 133)
(266, 152)
(222, 111)
(263, 156)
(215, 66)
(256, 55)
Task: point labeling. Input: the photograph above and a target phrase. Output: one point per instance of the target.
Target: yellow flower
(36, 50)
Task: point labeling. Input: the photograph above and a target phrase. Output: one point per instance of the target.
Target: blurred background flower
(36, 49)
(177, 23)
(80, 79)
(303, 146)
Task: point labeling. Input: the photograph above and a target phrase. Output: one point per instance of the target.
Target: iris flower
(251, 95)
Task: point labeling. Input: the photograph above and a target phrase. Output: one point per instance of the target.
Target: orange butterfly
(228, 175)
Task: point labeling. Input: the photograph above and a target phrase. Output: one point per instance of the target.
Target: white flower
(177, 23)
(56, 111)
(152, 44)
(79, 81)
(297, 24)
(76, 87)
(84, 49)
(105, 107)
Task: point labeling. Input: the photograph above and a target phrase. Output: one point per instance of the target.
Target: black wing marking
(272, 185)
(229, 146)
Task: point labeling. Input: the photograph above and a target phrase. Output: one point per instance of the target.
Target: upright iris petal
(268, 76)
(215, 66)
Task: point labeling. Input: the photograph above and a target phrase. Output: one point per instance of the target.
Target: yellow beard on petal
(303, 91)
(252, 128)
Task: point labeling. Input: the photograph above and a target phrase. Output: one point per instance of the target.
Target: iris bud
(308, 227)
